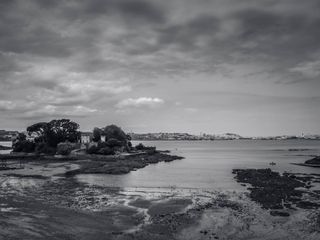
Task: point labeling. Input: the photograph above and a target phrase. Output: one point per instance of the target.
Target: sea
(5, 144)
(209, 164)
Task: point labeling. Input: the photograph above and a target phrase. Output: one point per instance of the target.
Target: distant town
(9, 135)
(211, 137)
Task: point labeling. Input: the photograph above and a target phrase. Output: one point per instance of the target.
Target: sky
(248, 67)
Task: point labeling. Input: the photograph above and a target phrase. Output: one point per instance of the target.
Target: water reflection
(208, 165)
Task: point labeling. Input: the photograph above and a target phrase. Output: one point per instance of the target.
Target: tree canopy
(115, 132)
(96, 134)
(55, 131)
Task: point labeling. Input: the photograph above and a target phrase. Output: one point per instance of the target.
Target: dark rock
(279, 213)
(308, 205)
(27, 176)
(315, 160)
(269, 188)
(298, 149)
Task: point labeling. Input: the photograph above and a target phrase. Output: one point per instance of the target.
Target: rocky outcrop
(122, 165)
(315, 160)
(275, 191)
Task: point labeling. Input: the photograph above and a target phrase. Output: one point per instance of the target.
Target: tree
(21, 137)
(113, 131)
(63, 130)
(96, 134)
(54, 132)
(40, 129)
(21, 144)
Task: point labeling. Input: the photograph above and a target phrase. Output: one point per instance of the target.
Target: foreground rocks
(33, 207)
(275, 191)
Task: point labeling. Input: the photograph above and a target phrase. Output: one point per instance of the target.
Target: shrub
(149, 150)
(44, 148)
(65, 148)
(102, 145)
(93, 150)
(17, 147)
(106, 151)
(140, 146)
(112, 142)
(40, 146)
(24, 146)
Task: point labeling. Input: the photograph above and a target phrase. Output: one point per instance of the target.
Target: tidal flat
(42, 202)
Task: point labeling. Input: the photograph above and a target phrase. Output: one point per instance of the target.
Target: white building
(86, 137)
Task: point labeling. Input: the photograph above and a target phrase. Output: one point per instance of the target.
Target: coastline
(57, 205)
(92, 163)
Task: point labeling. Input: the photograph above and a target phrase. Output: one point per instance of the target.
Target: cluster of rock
(275, 191)
(315, 160)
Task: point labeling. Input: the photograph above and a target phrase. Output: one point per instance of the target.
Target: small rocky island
(313, 162)
(106, 150)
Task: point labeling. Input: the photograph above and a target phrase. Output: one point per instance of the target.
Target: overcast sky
(249, 67)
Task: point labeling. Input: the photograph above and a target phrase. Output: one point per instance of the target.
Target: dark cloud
(8, 64)
(277, 34)
(60, 57)
(138, 11)
(130, 10)
(186, 35)
(39, 41)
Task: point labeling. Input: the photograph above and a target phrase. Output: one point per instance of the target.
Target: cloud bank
(90, 59)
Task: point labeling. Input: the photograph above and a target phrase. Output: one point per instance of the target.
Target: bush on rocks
(140, 146)
(65, 148)
(24, 146)
(93, 150)
(149, 150)
(112, 142)
(106, 151)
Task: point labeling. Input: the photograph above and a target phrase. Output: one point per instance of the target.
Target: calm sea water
(209, 164)
(6, 144)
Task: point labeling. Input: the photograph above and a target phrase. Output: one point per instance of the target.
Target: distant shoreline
(241, 139)
(206, 140)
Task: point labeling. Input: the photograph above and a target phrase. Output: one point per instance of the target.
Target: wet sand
(40, 202)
